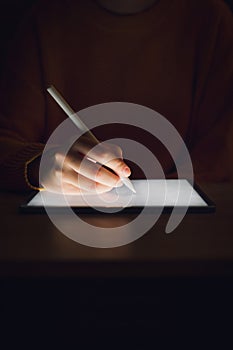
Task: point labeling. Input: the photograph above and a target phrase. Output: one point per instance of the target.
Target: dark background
(59, 296)
(12, 11)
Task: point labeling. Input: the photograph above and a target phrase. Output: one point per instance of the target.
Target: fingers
(92, 171)
(107, 154)
(76, 174)
(119, 166)
(82, 184)
(70, 189)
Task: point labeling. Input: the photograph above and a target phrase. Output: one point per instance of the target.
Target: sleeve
(211, 135)
(22, 109)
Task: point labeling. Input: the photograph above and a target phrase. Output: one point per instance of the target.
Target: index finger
(104, 153)
(111, 156)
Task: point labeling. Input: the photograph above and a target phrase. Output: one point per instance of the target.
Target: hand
(75, 173)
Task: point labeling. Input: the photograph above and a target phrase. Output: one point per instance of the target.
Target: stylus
(80, 125)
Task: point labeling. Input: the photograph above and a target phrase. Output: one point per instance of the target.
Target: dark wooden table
(153, 281)
(201, 245)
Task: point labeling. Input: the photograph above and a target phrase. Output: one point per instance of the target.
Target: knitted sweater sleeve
(22, 109)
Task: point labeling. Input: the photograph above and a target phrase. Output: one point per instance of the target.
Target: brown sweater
(176, 58)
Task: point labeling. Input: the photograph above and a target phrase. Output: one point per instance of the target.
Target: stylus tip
(128, 183)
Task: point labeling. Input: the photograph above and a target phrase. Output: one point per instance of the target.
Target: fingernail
(126, 171)
(119, 183)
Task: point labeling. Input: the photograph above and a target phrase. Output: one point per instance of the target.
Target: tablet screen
(149, 193)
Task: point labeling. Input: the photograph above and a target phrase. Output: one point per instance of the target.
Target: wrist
(32, 172)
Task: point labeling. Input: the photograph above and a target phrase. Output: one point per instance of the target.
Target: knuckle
(117, 149)
(105, 156)
(58, 156)
(57, 173)
(113, 148)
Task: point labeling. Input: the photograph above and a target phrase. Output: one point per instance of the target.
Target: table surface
(202, 245)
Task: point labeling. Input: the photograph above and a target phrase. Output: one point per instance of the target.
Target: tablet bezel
(209, 208)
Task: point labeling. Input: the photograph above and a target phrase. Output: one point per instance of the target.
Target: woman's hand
(77, 173)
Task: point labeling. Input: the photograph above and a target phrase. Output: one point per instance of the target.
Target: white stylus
(80, 125)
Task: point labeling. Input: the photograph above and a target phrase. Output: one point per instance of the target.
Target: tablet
(151, 194)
